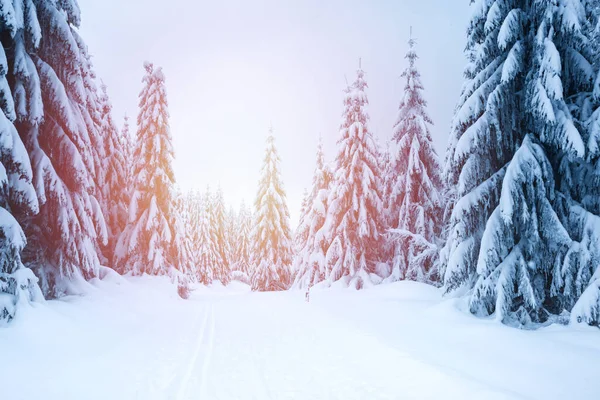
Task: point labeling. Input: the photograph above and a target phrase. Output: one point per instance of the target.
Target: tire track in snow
(183, 386)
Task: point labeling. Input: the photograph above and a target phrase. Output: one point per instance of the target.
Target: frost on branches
(115, 165)
(414, 200)
(243, 246)
(18, 285)
(272, 252)
(148, 245)
(56, 109)
(521, 155)
(355, 211)
(309, 263)
(218, 222)
(207, 254)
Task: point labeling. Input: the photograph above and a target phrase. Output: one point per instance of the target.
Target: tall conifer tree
(222, 268)
(310, 259)
(17, 194)
(115, 193)
(208, 258)
(244, 248)
(146, 245)
(57, 117)
(272, 251)
(355, 210)
(519, 231)
(414, 203)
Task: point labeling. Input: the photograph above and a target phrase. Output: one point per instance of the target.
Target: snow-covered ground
(134, 338)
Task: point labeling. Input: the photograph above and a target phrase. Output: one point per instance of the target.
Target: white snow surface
(134, 338)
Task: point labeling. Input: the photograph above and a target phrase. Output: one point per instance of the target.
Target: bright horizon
(233, 69)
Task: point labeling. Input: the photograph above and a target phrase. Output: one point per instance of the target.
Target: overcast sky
(234, 67)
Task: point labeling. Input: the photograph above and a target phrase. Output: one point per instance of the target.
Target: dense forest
(509, 217)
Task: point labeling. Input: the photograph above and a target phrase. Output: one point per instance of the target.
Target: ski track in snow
(208, 353)
(191, 364)
(388, 343)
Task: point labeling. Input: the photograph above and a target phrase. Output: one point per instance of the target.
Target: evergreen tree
(271, 236)
(116, 174)
(192, 215)
(181, 251)
(231, 238)
(128, 149)
(146, 245)
(414, 201)
(301, 233)
(17, 195)
(354, 220)
(518, 231)
(243, 249)
(57, 117)
(310, 259)
(218, 222)
(577, 282)
(208, 258)
(388, 163)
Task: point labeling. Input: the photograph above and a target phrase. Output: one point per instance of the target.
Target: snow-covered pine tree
(387, 168)
(145, 246)
(301, 232)
(243, 250)
(208, 257)
(578, 281)
(515, 217)
(482, 141)
(218, 222)
(310, 260)
(414, 202)
(115, 190)
(354, 221)
(56, 109)
(128, 149)
(181, 251)
(271, 236)
(231, 238)
(192, 214)
(18, 285)
(93, 113)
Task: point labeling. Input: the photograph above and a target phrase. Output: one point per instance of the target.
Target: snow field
(134, 338)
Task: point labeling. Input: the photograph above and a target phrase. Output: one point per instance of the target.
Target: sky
(236, 67)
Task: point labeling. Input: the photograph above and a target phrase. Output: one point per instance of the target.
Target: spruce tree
(208, 257)
(232, 238)
(18, 285)
(578, 280)
(310, 259)
(146, 245)
(518, 231)
(354, 221)
(181, 251)
(414, 202)
(388, 163)
(301, 232)
(115, 193)
(56, 115)
(218, 222)
(243, 249)
(192, 215)
(128, 148)
(272, 251)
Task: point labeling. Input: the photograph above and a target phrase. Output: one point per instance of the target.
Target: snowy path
(395, 342)
(270, 346)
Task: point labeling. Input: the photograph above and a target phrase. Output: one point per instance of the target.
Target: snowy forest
(472, 273)
(509, 217)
